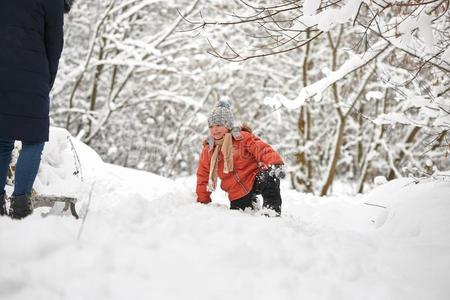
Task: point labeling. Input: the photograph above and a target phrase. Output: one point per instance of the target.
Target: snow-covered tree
(136, 83)
(403, 44)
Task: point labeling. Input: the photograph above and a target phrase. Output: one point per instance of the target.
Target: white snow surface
(144, 237)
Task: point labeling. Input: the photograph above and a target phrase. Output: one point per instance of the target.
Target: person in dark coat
(31, 42)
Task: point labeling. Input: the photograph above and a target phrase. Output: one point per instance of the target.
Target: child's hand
(277, 171)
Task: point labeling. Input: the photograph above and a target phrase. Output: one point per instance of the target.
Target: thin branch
(234, 59)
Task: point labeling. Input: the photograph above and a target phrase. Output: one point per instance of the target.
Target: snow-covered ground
(144, 237)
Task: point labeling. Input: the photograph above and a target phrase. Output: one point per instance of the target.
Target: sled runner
(51, 201)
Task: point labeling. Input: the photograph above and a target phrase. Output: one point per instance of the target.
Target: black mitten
(277, 171)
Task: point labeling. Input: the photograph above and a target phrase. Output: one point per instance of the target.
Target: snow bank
(419, 210)
(413, 234)
(146, 238)
(408, 208)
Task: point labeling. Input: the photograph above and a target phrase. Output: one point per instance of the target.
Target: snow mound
(145, 237)
(421, 210)
(412, 208)
(67, 168)
(58, 172)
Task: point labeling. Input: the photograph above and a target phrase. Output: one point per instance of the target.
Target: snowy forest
(347, 91)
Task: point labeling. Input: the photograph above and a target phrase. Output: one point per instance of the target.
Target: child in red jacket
(246, 165)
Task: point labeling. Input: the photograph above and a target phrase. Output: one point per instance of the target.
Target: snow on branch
(327, 19)
(315, 90)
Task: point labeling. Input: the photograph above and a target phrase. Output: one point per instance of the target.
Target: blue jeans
(26, 168)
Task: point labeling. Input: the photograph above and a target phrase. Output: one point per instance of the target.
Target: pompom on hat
(222, 115)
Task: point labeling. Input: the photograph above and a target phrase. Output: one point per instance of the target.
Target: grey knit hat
(222, 115)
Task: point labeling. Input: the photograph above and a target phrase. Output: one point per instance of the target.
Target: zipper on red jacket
(236, 176)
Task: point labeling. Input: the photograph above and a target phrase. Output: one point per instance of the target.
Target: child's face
(217, 131)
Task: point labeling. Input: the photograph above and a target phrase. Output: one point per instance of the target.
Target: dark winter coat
(31, 41)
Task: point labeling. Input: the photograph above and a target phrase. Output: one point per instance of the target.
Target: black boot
(21, 207)
(3, 204)
(248, 201)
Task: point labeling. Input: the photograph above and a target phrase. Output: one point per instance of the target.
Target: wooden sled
(50, 201)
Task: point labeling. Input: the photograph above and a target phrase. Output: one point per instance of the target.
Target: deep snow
(146, 238)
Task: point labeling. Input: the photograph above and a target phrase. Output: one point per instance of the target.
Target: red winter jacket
(248, 151)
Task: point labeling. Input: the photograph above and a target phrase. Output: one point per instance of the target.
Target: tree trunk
(335, 157)
(304, 127)
(339, 139)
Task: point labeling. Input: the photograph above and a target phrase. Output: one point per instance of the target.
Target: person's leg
(27, 167)
(26, 170)
(248, 201)
(269, 187)
(6, 148)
